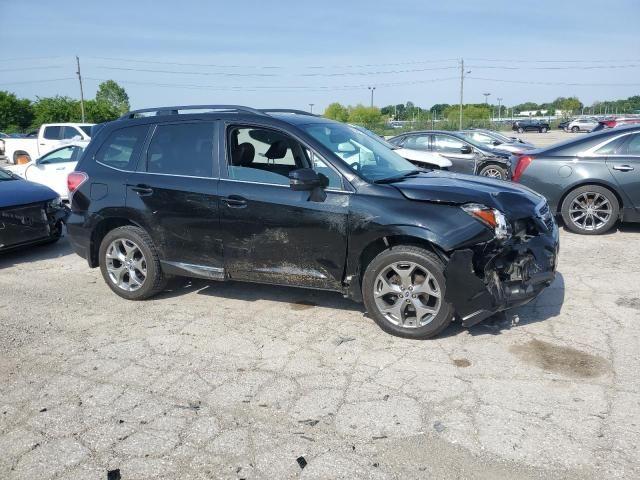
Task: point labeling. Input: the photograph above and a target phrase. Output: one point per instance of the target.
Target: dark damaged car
(233, 193)
(30, 213)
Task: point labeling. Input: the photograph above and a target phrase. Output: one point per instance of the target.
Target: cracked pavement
(213, 380)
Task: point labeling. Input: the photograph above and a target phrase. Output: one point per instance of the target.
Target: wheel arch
(100, 230)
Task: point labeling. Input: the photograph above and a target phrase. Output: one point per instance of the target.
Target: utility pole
(461, 89)
(81, 92)
(311, 107)
(499, 108)
(372, 89)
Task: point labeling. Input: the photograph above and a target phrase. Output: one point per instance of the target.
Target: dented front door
(273, 234)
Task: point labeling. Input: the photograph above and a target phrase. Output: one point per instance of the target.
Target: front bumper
(481, 283)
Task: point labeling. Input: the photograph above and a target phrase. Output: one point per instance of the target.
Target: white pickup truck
(50, 136)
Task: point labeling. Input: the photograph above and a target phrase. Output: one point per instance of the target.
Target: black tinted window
(182, 149)
(611, 148)
(122, 148)
(53, 133)
(633, 145)
(70, 132)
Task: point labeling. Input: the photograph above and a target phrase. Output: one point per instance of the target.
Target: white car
(417, 157)
(49, 136)
(582, 125)
(422, 158)
(52, 168)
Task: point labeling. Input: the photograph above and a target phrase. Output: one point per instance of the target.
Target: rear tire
(575, 129)
(543, 130)
(493, 171)
(520, 130)
(590, 210)
(130, 264)
(413, 305)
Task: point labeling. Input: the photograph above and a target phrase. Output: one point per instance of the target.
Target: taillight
(75, 179)
(611, 123)
(523, 163)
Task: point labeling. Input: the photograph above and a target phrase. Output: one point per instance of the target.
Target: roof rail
(287, 110)
(176, 110)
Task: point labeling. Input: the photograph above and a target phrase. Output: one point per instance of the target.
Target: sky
(289, 54)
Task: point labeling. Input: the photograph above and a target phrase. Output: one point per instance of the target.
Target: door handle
(234, 201)
(623, 168)
(142, 190)
(60, 168)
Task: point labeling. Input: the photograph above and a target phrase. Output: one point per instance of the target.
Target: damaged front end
(509, 271)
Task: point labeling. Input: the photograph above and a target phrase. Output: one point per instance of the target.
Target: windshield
(502, 138)
(4, 175)
(367, 155)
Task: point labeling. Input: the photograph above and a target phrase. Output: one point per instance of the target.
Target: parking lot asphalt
(233, 380)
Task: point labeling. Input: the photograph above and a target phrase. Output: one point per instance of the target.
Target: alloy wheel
(492, 172)
(126, 265)
(407, 294)
(590, 211)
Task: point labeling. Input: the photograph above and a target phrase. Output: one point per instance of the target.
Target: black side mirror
(496, 143)
(466, 149)
(304, 179)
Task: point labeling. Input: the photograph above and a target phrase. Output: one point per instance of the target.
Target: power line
(579, 67)
(273, 87)
(38, 81)
(567, 84)
(234, 74)
(216, 65)
(31, 68)
(511, 60)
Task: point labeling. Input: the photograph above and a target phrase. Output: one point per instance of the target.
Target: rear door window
(417, 142)
(447, 144)
(70, 132)
(53, 133)
(182, 149)
(122, 148)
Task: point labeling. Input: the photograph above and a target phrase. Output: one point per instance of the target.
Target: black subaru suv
(287, 198)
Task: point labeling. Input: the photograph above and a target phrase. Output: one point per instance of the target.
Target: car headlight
(491, 217)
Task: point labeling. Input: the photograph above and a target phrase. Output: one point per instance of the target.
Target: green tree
(368, 117)
(336, 111)
(100, 111)
(56, 109)
(15, 114)
(113, 95)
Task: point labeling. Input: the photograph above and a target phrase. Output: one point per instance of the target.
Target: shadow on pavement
(297, 298)
(35, 253)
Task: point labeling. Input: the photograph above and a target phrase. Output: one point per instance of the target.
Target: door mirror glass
(306, 179)
(466, 149)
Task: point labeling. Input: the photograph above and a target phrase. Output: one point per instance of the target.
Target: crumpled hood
(22, 192)
(516, 201)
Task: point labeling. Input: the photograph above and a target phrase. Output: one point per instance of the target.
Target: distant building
(531, 113)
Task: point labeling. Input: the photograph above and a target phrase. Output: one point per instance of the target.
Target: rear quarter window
(122, 148)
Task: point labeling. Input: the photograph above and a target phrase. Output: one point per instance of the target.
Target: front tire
(543, 130)
(404, 289)
(575, 129)
(493, 171)
(520, 130)
(590, 210)
(130, 265)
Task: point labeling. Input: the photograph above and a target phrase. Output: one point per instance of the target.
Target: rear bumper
(513, 276)
(79, 236)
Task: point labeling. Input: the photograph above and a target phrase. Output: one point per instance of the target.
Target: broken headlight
(491, 217)
(55, 203)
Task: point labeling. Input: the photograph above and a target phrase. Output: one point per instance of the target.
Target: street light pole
(311, 107)
(486, 96)
(499, 108)
(372, 89)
